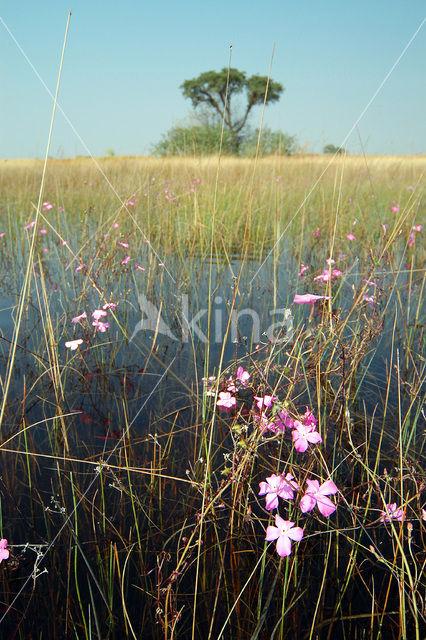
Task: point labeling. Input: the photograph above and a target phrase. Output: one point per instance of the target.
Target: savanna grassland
(212, 419)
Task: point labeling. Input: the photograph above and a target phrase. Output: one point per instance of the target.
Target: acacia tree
(216, 91)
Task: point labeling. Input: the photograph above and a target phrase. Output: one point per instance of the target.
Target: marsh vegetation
(181, 338)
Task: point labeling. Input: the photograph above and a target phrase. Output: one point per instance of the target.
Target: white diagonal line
(357, 121)
(99, 168)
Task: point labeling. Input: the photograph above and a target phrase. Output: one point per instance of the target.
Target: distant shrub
(331, 148)
(205, 140)
(195, 140)
(271, 143)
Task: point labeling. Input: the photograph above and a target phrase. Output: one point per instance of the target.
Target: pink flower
(98, 314)
(280, 422)
(308, 298)
(109, 305)
(373, 284)
(80, 267)
(392, 513)
(80, 317)
(283, 532)
(412, 239)
(264, 402)
(138, 266)
(303, 435)
(226, 400)
(115, 225)
(265, 424)
(2, 234)
(418, 228)
(316, 495)
(277, 487)
(4, 553)
(330, 261)
(129, 203)
(231, 385)
(125, 260)
(73, 344)
(100, 326)
(317, 233)
(43, 231)
(303, 268)
(326, 275)
(30, 224)
(242, 376)
(350, 236)
(394, 208)
(370, 299)
(123, 244)
(47, 206)
(309, 418)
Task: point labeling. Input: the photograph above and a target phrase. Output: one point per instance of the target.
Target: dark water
(134, 384)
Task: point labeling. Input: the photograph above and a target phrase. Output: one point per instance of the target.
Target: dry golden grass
(238, 201)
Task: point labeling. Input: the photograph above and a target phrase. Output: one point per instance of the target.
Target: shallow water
(142, 379)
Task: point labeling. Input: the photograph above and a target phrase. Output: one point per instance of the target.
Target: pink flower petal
(264, 401)
(308, 298)
(300, 443)
(283, 546)
(78, 318)
(272, 533)
(271, 501)
(307, 503)
(314, 437)
(328, 488)
(4, 553)
(325, 506)
(98, 314)
(295, 533)
(73, 344)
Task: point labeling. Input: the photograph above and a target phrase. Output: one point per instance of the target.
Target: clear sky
(125, 60)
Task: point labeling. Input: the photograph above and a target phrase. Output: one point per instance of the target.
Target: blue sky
(124, 63)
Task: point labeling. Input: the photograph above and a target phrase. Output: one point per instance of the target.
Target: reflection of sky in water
(97, 374)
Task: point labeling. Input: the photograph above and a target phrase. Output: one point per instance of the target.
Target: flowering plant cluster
(98, 322)
(271, 416)
(282, 486)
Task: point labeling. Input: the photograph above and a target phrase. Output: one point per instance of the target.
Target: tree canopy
(216, 90)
